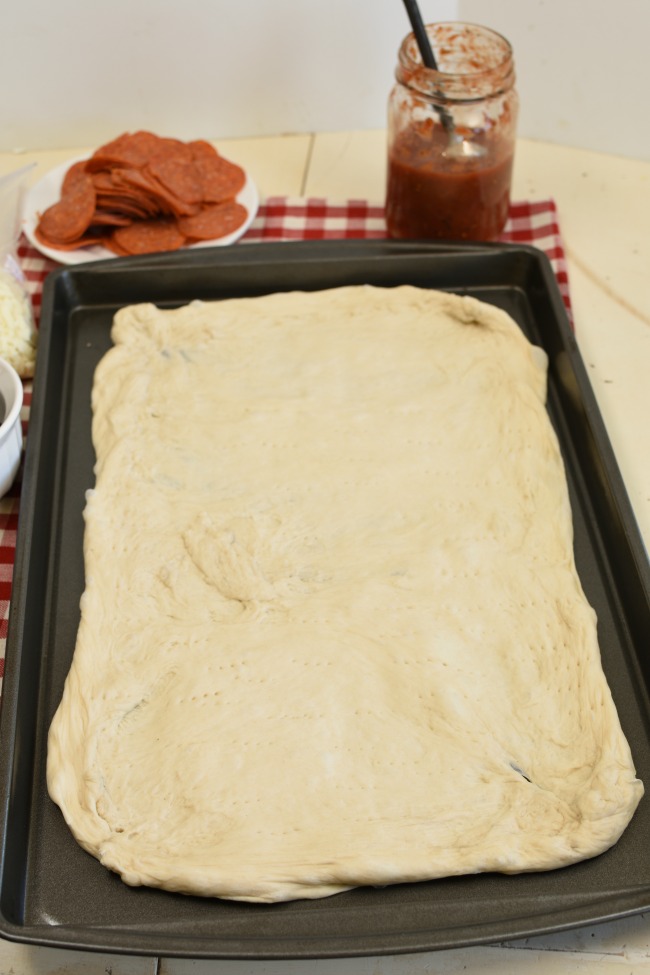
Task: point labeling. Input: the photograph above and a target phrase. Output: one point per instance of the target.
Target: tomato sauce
(434, 194)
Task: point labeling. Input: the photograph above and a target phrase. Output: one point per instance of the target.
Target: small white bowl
(11, 434)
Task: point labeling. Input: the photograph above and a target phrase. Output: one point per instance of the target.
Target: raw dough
(332, 632)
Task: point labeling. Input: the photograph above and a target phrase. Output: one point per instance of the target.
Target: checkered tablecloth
(278, 218)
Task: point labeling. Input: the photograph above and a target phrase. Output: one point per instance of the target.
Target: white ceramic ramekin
(11, 434)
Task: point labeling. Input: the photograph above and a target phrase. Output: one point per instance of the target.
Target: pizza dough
(332, 632)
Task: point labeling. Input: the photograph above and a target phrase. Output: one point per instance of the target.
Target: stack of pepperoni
(143, 193)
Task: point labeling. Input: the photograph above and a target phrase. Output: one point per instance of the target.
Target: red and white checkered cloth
(279, 218)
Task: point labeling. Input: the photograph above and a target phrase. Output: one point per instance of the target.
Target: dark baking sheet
(53, 893)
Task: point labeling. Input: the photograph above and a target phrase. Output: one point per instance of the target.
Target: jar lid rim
(414, 60)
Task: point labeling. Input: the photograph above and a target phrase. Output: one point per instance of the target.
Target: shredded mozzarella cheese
(17, 331)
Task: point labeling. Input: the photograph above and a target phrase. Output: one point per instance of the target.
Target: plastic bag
(18, 337)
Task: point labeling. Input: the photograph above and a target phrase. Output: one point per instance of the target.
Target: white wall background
(78, 72)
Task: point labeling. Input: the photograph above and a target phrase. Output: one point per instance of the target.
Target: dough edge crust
(75, 783)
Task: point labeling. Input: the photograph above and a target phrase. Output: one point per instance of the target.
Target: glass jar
(451, 136)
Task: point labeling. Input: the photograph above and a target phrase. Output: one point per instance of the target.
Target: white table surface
(604, 212)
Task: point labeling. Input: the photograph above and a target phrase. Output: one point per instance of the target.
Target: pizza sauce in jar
(451, 136)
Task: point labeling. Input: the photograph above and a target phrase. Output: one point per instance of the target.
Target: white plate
(48, 190)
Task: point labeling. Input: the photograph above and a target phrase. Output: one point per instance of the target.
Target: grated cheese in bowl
(17, 332)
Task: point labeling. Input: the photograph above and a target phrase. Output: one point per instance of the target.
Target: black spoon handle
(427, 55)
(421, 36)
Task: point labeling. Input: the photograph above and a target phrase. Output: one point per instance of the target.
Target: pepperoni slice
(167, 148)
(178, 175)
(86, 240)
(68, 219)
(129, 149)
(111, 245)
(214, 221)
(149, 237)
(103, 180)
(202, 149)
(220, 179)
(75, 173)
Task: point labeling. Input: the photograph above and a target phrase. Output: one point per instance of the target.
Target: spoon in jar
(458, 147)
